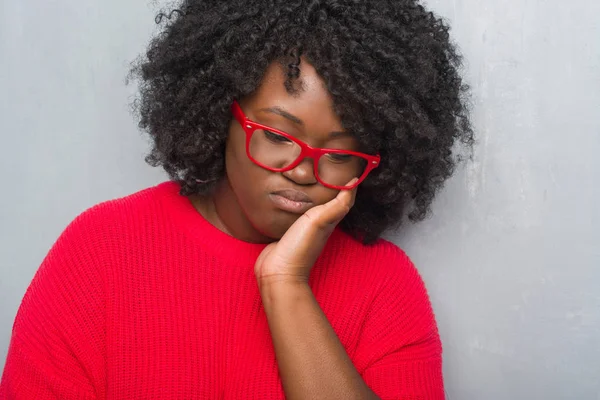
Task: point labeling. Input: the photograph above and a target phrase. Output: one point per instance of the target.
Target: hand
(293, 256)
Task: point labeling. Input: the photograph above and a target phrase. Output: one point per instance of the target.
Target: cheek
(249, 184)
(325, 195)
(238, 166)
(245, 178)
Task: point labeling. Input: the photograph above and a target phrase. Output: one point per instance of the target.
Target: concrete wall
(511, 254)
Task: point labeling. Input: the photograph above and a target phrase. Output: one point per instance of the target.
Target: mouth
(292, 201)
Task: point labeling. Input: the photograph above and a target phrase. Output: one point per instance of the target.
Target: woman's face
(271, 201)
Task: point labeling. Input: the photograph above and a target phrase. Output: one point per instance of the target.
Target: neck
(223, 211)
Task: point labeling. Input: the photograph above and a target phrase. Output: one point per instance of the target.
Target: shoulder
(100, 231)
(382, 259)
(399, 314)
(128, 212)
(135, 205)
(62, 315)
(82, 254)
(385, 272)
(379, 273)
(382, 281)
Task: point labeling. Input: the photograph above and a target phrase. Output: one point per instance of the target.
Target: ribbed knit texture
(141, 298)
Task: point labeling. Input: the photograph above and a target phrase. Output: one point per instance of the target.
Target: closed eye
(339, 157)
(275, 137)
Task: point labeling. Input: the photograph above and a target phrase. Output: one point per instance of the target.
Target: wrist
(279, 279)
(280, 289)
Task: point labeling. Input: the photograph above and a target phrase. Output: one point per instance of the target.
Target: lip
(291, 200)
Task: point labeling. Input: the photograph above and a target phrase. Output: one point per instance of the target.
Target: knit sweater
(142, 298)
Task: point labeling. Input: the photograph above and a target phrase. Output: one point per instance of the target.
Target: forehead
(312, 102)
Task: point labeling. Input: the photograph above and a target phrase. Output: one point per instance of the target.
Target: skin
(312, 362)
(241, 205)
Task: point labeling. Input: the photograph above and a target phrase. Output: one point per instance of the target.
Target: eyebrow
(298, 121)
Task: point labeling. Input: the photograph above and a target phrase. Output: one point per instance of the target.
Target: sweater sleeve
(400, 350)
(56, 348)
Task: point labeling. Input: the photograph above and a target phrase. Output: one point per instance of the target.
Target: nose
(303, 173)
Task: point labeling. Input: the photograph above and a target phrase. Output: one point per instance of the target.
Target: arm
(399, 353)
(313, 364)
(56, 346)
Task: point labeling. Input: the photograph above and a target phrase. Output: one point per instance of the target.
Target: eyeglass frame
(306, 150)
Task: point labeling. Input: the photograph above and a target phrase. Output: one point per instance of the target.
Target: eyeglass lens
(277, 151)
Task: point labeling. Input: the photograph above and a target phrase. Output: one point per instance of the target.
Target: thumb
(332, 212)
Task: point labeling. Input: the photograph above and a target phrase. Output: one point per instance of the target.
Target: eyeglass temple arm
(237, 112)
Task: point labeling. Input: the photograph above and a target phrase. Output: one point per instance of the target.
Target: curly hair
(389, 65)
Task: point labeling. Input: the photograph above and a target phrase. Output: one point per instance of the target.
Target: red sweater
(141, 298)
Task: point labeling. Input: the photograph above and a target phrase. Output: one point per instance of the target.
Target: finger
(332, 212)
(348, 196)
(352, 191)
(310, 232)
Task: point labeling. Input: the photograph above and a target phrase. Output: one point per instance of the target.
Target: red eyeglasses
(278, 151)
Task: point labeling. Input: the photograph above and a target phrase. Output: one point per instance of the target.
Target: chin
(276, 232)
(276, 229)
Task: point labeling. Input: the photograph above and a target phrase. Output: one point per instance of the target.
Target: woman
(295, 134)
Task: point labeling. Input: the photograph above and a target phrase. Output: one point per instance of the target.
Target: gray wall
(510, 255)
